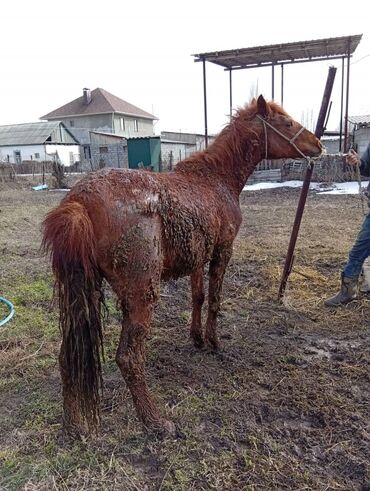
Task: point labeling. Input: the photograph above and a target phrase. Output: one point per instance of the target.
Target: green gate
(144, 152)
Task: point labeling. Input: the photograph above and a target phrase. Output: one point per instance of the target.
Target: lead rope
(356, 174)
(265, 131)
(360, 192)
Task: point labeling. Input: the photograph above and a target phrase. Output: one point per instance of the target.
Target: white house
(41, 141)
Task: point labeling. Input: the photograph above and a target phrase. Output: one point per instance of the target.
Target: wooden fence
(328, 168)
(9, 172)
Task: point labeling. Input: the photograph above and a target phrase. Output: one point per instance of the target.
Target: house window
(103, 149)
(71, 159)
(136, 125)
(122, 124)
(71, 123)
(37, 155)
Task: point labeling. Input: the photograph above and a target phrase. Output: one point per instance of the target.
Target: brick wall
(110, 155)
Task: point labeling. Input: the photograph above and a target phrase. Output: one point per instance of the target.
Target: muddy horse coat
(136, 228)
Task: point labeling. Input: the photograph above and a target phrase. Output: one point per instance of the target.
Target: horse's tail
(69, 237)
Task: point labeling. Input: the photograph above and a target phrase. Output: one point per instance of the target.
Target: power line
(354, 62)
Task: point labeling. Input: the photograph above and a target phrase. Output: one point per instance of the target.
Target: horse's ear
(262, 107)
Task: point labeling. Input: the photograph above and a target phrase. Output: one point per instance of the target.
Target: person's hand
(352, 157)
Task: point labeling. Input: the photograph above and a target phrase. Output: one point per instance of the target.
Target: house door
(87, 152)
(17, 157)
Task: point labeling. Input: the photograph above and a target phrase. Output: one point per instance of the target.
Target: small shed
(144, 152)
(361, 131)
(331, 142)
(176, 146)
(108, 150)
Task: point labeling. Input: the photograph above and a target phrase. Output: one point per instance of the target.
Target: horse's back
(180, 215)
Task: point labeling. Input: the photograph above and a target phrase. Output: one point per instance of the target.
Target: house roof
(183, 133)
(164, 140)
(364, 119)
(83, 135)
(149, 137)
(33, 133)
(103, 133)
(102, 102)
(319, 49)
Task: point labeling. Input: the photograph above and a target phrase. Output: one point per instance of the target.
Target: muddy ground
(285, 405)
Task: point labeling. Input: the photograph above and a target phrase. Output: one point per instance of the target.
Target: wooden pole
(306, 184)
(205, 104)
(346, 136)
(231, 93)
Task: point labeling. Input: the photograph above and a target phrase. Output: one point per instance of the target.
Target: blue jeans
(359, 252)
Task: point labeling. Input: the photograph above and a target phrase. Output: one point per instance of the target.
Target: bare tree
(58, 173)
(253, 90)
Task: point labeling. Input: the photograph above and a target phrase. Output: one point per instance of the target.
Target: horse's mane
(230, 143)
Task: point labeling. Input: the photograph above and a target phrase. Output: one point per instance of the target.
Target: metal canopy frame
(283, 54)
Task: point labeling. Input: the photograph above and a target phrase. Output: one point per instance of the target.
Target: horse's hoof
(198, 342)
(162, 428)
(213, 345)
(79, 428)
(169, 428)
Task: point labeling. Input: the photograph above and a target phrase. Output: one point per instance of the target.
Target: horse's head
(284, 137)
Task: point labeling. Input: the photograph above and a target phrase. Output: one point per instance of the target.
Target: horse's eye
(289, 124)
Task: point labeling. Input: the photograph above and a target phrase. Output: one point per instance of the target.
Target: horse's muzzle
(319, 150)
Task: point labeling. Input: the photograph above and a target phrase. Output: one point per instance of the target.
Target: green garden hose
(11, 311)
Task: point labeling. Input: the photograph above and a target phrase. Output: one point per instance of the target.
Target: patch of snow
(345, 188)
(335, 188)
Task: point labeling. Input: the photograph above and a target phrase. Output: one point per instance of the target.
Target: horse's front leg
(217, 268)
(197, 295)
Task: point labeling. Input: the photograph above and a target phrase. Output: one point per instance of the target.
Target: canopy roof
(297, 52)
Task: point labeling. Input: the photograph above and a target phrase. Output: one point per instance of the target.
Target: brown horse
(136, 228)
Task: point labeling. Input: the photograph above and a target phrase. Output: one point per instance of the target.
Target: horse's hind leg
(136, 281)
(217, 270)
(197, 293)
(131, 361)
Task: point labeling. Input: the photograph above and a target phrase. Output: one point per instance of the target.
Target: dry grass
(284, 405)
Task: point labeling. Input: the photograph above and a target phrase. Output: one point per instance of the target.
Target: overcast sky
(141, 52)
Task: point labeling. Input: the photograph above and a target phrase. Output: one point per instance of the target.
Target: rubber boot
(347, 293)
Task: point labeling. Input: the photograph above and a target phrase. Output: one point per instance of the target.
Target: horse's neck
(229, 159)
(234, 160)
